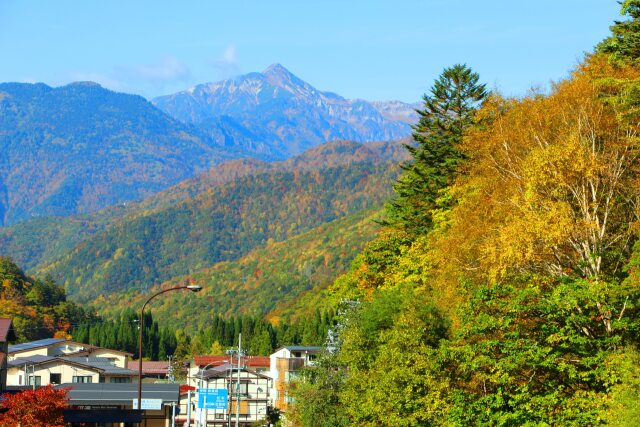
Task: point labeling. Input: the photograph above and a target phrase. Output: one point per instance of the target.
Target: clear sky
(370, 49)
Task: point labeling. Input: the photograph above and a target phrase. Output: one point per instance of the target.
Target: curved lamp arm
(192, 288)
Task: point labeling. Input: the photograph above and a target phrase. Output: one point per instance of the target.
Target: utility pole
(238, 381)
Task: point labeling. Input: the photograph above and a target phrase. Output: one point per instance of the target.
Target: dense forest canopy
(506, 290)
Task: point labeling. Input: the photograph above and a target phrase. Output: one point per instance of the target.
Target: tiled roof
(6, 331)
(253, 361)
(149, 367)
(258, 361)
(213, 360)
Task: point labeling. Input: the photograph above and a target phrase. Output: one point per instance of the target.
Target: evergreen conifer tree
(448, 112)
(624, 42)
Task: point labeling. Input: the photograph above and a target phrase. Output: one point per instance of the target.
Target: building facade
(285, 362)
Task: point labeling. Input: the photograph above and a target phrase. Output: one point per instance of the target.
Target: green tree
(447, 113)
(624, 42)
(316, 394)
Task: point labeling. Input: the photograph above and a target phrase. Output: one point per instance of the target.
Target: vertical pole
(189, 407)
(141, 325)
(230, 390)
(173, 414)
(238, 381)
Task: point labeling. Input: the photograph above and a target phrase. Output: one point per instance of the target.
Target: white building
(284, 364)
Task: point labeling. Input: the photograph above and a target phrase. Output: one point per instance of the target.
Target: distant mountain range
(275, 115)
(80, 147)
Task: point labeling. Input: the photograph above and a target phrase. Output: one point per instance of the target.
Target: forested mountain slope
(42, 240)
(79, 148)
(223, 223)
(273, 275)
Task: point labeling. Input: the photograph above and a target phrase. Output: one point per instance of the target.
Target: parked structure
(284, 364)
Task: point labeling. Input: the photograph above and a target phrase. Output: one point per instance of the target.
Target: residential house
(285, 362)
(259, 364)
(39, 370)
(58, 347)
(245, 386)
(6, 334)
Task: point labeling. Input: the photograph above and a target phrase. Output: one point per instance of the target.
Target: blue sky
(360, 49)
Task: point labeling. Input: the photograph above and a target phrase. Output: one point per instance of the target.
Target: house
(58, 347)
(6, 334)
(247, 387)
(285, 362)
(259, 364)
(40, 370)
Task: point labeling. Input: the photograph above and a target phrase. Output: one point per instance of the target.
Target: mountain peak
(276, 69)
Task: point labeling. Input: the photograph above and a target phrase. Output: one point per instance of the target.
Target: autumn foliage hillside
(504, 288)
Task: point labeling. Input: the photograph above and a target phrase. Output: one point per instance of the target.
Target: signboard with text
(150, 404)
(213, 398)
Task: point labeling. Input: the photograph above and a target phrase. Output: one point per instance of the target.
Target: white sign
(152, 404)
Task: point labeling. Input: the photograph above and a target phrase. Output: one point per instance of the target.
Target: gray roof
(302, 348)
(223, 371)
(101, 363)
(34, 344)
(104, 394)
(29, 360)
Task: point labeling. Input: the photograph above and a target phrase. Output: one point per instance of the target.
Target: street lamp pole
(200, 388)
(192, 288)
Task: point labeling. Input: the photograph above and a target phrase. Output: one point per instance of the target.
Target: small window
(55, 378)
(119, 380)
(35, 380)
(81, 379)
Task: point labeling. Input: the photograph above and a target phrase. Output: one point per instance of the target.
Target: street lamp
(192, 288)
(200, 390)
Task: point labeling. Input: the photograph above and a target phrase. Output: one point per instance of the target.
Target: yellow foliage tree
(551, 186)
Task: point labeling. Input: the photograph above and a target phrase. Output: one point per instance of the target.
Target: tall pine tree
(624, 42)
(448, 112)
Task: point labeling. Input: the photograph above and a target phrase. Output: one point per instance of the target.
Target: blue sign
(213, 398)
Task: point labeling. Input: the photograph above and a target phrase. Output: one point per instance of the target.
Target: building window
(120, 380)
(55, 378)
(35, 380)
(81, 379)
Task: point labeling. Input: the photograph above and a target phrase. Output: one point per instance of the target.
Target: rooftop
(107, 394)
(31, 345)
(253, 361)
(149, 367)
(302, 348)
(6, 330)
(30, 360)
(101, 363)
